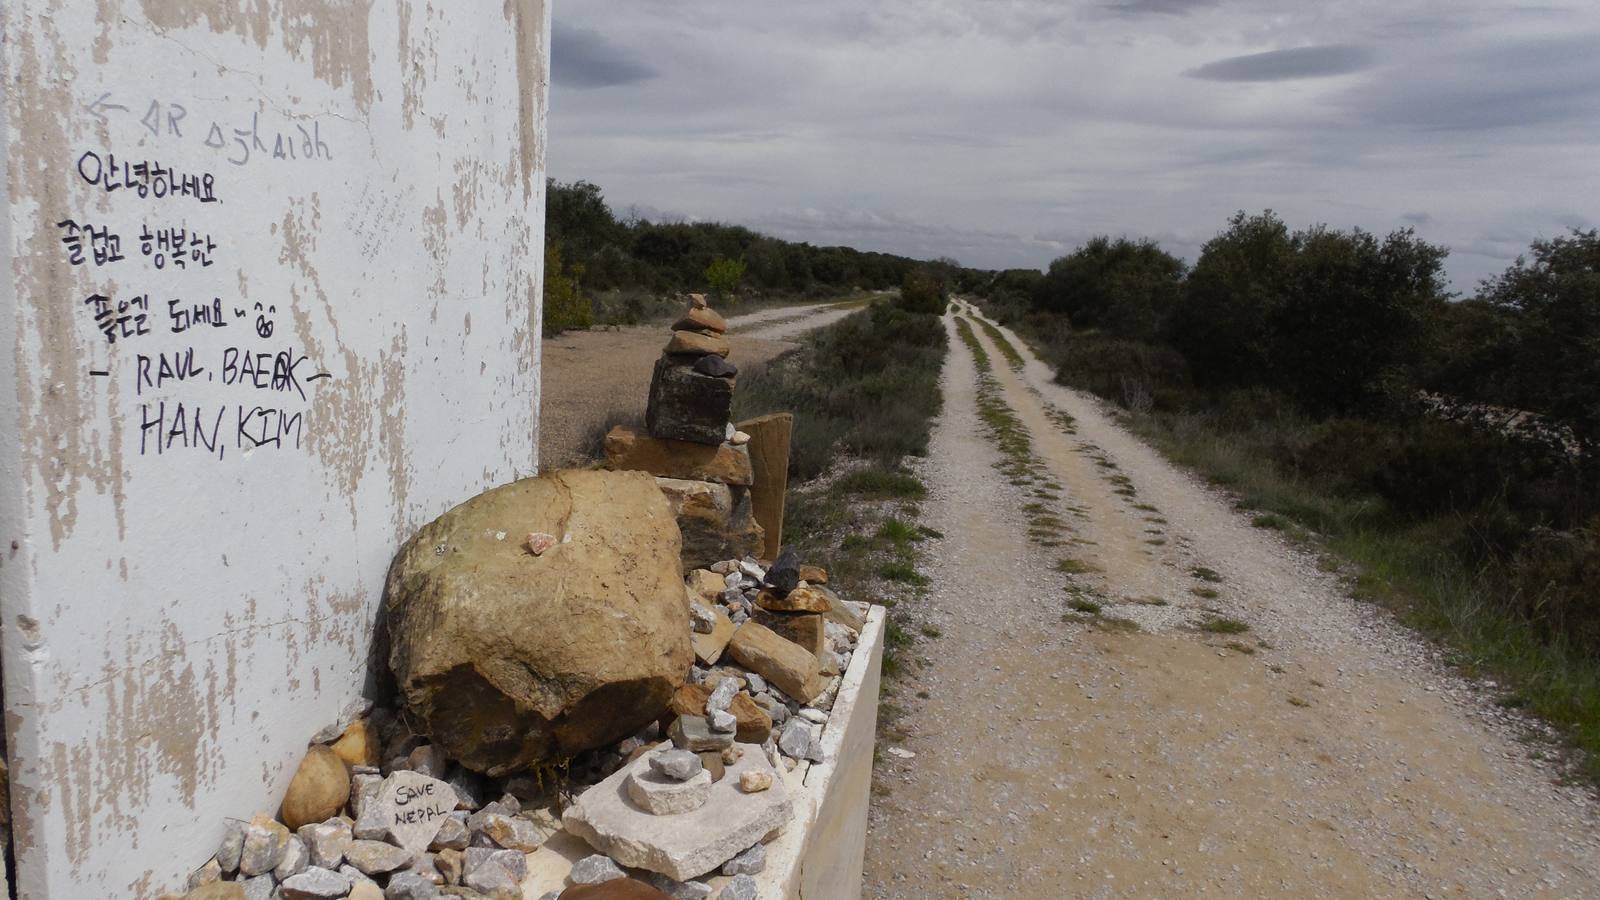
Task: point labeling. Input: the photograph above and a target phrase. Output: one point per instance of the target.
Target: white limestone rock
(315, 884)
(661, 795)
(376, 857)
(685, 846)
(750, 862)
(232, 845)
(326, 842)
(742, 887)
(596, 869)
(296, 857)
(261, 887)
(411, 886)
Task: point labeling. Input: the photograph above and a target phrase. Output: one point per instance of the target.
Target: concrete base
(821, 852)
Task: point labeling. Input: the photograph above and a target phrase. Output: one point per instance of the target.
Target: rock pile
(412, 828)
(691, 390)
(378, 811)
(701, 460)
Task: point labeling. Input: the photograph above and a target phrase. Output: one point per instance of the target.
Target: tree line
(593, 256)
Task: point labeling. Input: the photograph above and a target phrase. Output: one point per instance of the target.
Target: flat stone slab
(687, 845)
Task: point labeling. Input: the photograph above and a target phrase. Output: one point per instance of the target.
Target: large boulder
(507, 659)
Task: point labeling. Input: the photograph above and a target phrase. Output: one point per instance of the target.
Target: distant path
(590, 378)
(795, 321)
(1321, 753)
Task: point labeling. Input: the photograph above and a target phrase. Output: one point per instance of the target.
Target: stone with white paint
(411, 808)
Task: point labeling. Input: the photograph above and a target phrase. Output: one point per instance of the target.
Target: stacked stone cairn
(700, 460)
(376, 811)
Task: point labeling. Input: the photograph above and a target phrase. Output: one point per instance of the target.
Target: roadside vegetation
(609, 270)
(1442, 450)
(864, 392)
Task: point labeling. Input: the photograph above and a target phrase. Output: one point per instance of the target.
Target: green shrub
(565, 307)
(866, 386)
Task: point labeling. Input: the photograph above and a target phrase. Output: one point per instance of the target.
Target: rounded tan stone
(701, 318)
(319, 789)
(799, 600)
(694, 343)
(358, 746)
(813, 574)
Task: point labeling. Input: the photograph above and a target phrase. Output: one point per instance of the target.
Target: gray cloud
(583, 58)
(1155, 7)
(1287, 65)
(1004, 134)
(1509, 84)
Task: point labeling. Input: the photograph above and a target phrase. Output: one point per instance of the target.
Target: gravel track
(1325, 752)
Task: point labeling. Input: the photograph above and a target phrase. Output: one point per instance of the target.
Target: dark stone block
(688, 406)
(784, 575)
(715, 366)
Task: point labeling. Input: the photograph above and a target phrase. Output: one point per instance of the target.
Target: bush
(1135, 375)
(1125, 287)
(1556, 576)
(867, 385)
(565, 307)
(921, 293)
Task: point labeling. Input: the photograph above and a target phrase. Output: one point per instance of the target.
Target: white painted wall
(179, 620)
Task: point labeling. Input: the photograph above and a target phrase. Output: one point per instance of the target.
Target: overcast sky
(1005, 132)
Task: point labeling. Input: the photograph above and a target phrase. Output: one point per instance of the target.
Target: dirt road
(1323, 752)
(594, 377)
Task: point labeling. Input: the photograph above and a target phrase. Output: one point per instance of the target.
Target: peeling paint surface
(202, 506)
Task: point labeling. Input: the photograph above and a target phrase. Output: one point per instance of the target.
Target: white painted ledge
(819, 855)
